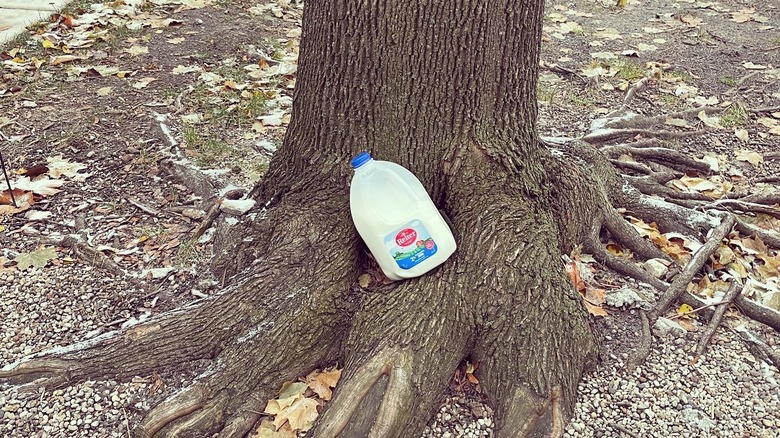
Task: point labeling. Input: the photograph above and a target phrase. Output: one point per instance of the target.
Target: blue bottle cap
(360, 160)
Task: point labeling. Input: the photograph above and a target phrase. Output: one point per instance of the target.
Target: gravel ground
(726, 394)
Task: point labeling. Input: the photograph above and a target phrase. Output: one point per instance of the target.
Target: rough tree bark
(447, 89)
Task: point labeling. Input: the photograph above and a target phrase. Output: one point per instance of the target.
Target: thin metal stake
(7, 181)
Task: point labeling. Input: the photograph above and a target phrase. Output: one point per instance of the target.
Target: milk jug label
(410, 244)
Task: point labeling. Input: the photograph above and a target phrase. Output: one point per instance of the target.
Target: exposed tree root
(502, 300)
(632, 166)
(678, 287)
(758, 348)
(717, 317)
(208, 220)
(668, 157)
(90, 255)
(758, 312)
(680, 283)
(393, 411)
(739, 206)
(645, 343)
(275, 323)
(617, 134)
(679, 211)
(627, 236)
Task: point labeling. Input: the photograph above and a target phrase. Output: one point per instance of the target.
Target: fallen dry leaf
(751, 157)
(136, 50)
(63, 59)
(300, 414)
(712, 122)
(37, 259)
(574, 276)
(142, 83)
(37, 215)
(37, 170)
(322, 382)
(59, 166)
(691, 21)
(268, 430)
(750, 66)
(742, 134)
(364, 280)
(594, 310)
(40, 187)
(742, 16)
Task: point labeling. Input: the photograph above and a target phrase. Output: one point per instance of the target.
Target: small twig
(115, 322)
(767, 109)
(145, 208)
(720, 310)
(90, 255)
(7, 181)
(623, 429)
(740, 83)
(127, 423)
(745, 78)
(699, 309)
(180, 98)
(564, 71)
(209, 219)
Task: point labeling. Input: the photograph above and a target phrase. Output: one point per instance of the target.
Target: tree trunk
(448, 90)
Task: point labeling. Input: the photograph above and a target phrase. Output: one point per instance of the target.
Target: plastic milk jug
(397, 219)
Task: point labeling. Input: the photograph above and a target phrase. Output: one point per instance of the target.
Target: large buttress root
(503, 300)
(275, 323)
(399, 357)
(391, 412)
(533, 341)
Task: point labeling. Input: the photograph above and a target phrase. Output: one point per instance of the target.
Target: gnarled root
(384, 382)
(631, 194)
(277, 322)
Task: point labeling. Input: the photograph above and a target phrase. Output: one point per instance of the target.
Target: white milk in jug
(396, 218)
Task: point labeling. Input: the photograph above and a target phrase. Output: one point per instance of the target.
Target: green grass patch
(254, 106)
(668, 99)
(545, 93)
(728, 80)
(628, 70)
(254, 170)
(227, 108)
(680, 75)
(583, 101)
(186, 254)
(734, 116)
(206, 151)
